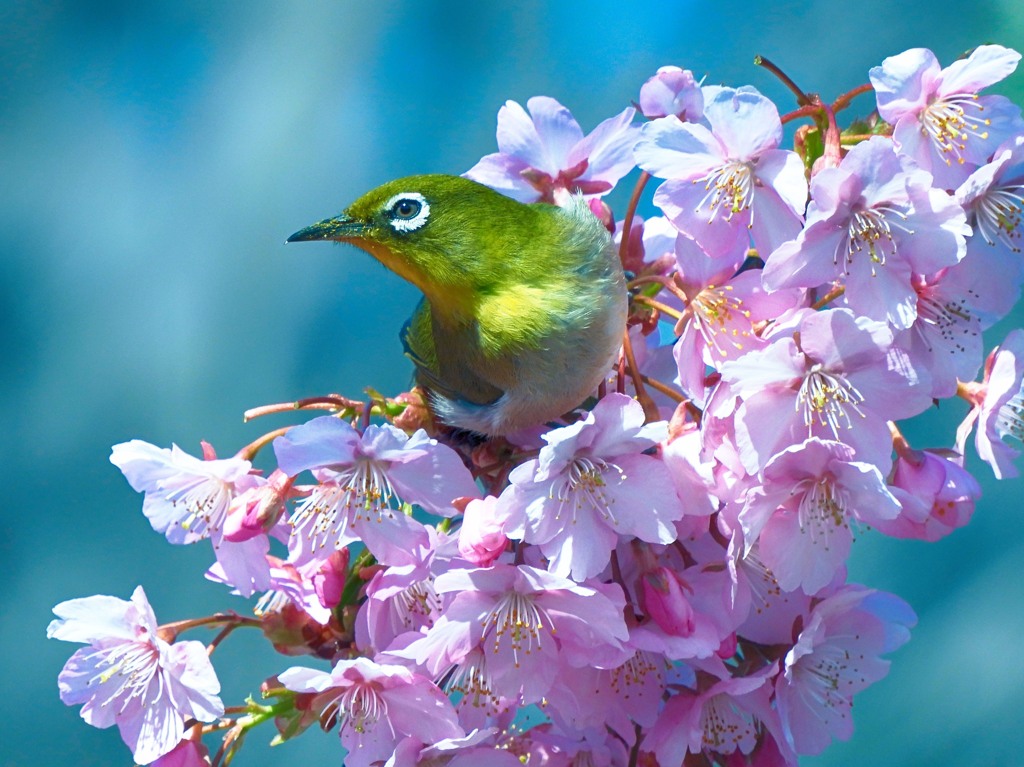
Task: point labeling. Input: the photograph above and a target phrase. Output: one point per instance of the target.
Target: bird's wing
(441, 365)
(418, 341)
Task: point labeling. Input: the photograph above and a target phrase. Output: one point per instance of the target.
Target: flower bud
(257, 510)
(664, 599)
(415, 416)
(329, 581)
(936, 495)
(672, 91)
(482, 537)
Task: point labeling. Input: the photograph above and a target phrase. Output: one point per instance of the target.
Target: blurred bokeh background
(155, 155)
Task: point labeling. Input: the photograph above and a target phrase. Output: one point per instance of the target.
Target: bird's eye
(407, 211)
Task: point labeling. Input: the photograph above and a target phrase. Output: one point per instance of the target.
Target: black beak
(339, 228)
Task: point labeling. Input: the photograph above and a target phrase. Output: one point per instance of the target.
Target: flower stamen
(827, 400)
(729, 187)
(946, 123)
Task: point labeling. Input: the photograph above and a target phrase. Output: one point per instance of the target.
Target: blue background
(154, 156)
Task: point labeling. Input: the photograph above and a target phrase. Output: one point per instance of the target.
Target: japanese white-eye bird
(524, 304)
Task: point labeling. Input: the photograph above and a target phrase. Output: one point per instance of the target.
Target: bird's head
(449, 236)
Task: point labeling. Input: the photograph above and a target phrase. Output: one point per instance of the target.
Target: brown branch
(627, 222)
(844, 100)
(829, 297)
(801, 96)
(650, 409)
(663, 308)
(665, 389)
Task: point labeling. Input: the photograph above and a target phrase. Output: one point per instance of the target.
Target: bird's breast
(546, 349)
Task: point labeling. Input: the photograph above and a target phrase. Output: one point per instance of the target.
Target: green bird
(524, 305)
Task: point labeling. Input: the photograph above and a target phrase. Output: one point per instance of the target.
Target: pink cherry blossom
(730, 715)
(663, 597)
(801, 515)
(724, 307)
(837, 377)
(524, 620)
(773, 612)
(480, 748)
(298, 585)
(835, 657)
(672, 91)
(727, 182)
(872, 223)
(376, 705)
(364, 478)
(130, 677)
(618, 698)
(993, 197)
(554, 747)
(591, 484)
(401, 599)
(936, 495)
(998, 407)
(188, 499)
(543, 155)
(940, 121)
(704, 615)
(945, 338)
(188, 753)
(482, 535)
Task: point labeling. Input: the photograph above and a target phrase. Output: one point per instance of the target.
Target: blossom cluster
(658, 578)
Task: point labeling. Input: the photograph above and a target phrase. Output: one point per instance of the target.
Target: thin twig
(844, 100)
(627, 222)
(650, 409)
(663, 308)
(801, 96)
(829, 297)
(665, 389)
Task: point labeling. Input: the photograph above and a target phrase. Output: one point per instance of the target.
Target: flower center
(583, 487)
(951, 319)
(715, 309)
(822, 673)
(362, 706)
(518, 619)
(729, 187)
(629, 678)
(362, 490)
(997, 215)
(870, 230)
(726, 726)
(822, 510)
(132, 666)
(417, 605)
(946, 123)
(472, 679)
(827, 400)
(206, 503)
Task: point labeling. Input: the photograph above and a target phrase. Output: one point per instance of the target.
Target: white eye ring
(421, 211)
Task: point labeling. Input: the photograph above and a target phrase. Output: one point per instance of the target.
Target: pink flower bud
(257, 509)
(664, 599)
(482, 537)
(938, 495)
(672, 91)
(329, 580)
(728, 647)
